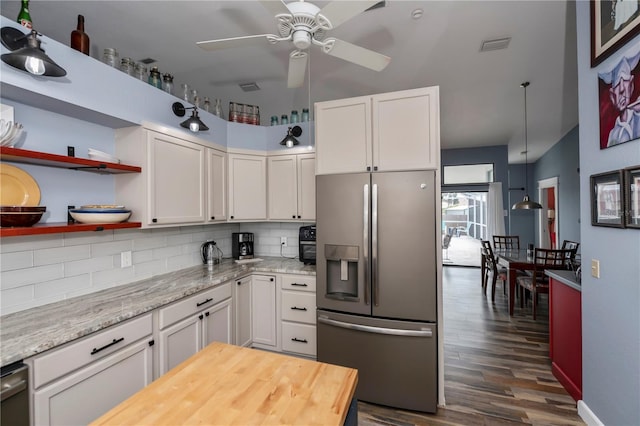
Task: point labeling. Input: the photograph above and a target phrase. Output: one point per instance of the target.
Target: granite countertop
(33, 331)
(565, 277)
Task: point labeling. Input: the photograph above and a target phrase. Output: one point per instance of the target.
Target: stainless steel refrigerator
(376, 272)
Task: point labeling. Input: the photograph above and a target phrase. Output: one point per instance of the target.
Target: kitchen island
(230, 385)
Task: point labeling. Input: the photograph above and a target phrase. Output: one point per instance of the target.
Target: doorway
(464, 225)
(548, 218)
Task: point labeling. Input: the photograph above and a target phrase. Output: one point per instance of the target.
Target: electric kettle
(210, 251)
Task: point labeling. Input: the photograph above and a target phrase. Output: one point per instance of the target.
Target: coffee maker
(242, 245)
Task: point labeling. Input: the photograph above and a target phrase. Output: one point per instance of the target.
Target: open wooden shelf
(59, 227)
(62, 161)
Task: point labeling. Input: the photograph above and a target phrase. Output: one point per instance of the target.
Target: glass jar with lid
(274, 120)
(110, 57)
(206, 104)
(305, 114)
(233, 112)
(155, 79)
(167, 83)
(126, 66)
(217, 108)
(294, 116)
(140, 71)
(284, 119)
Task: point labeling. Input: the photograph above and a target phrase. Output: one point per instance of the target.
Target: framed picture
(632, 197)
(619, 99)
(606, 199)
(613, 23)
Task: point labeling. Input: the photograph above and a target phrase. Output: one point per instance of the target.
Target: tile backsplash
(41, 269)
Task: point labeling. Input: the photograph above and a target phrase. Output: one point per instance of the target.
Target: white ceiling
(482, 103)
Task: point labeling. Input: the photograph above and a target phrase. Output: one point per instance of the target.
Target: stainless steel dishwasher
(14, 396)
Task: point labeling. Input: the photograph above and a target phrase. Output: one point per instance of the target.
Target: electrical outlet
(283, 241)
(595, 268)
(125, 259)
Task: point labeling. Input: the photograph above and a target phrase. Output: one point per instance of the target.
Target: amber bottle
(80, 39)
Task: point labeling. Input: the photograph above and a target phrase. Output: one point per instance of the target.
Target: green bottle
(24, 18)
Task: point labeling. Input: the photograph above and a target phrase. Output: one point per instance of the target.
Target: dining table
(514, 260)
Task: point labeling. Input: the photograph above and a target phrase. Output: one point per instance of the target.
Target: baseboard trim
(587, 415)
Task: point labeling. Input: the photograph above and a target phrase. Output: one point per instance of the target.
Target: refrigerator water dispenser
(342, 271)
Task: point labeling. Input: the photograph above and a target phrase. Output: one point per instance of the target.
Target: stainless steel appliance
(211, 251)
(14, 397)
(376, 283)
(242, 245)
(307, 245)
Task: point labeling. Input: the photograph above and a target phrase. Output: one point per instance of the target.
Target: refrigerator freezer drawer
(396, 360)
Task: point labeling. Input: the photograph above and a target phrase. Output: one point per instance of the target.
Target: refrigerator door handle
(374, 243)
(425, 332)
(365, 243)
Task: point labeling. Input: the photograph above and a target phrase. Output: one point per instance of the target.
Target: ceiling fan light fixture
(27, 55)
(290, 140)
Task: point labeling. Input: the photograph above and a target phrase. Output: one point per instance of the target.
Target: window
(468, 173)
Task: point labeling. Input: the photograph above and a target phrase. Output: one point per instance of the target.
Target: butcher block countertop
(231, 385)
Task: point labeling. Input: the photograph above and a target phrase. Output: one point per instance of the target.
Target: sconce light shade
(26, 53)
(193, 123)
(290, 140)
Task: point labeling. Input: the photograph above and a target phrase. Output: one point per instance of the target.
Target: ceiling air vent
(147, 61)
(249, 87)
(496, 44)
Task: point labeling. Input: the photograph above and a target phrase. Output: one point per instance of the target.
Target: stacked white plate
(9, 132)
(94, 154)
(100, 213)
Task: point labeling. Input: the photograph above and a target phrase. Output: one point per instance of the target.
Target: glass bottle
(80, 39)
(305, 114)
(193, 97)
(167, 83)
(284, 119)
(110, 57)
(206, 104)
(274, 120)
(185, 91)
(140, 71)
(294, 116)
(154, 78)
(217, 109)
(126, 66)
(24, 18)
(233, 113)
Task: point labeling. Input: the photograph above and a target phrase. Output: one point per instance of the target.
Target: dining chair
(491, 268)
(573, 246)
(506, 242)
(538, 282)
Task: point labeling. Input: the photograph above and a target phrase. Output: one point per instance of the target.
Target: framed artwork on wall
(606, 199)
(613, 23)
(632, 197)
(619, 100)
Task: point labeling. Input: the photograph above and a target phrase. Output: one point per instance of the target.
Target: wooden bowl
(19, 219)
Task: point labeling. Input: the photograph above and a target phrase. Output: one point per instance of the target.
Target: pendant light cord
(526, 145)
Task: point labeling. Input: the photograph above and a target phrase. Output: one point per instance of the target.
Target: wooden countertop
(231, 385)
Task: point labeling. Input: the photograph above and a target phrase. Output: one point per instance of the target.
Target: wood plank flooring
(497, 368)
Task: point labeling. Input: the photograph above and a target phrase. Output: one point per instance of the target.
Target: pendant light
(290, 140)
(526, 203)
(193, 123)
(26, 53)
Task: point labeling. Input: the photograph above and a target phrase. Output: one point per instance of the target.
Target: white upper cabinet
(247, 187)
(216, 185)
(383, 132)
(292, 194)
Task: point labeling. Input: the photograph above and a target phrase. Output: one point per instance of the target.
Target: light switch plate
(125, 259)
(595, 268)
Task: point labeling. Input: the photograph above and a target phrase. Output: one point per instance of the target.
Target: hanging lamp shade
(526, 203)
(27, 55)
(193, 123)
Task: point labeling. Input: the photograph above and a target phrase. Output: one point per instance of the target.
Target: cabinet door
(247, 187)
(179, 342)
(217, 323)
(283, 187)
(216, 185)
(263, 308)
(343, 135)
(406, 130)
(85, 395)
(176, 180)
(242, 314)
(306, 186)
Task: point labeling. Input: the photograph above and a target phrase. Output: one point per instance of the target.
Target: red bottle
(80, 39)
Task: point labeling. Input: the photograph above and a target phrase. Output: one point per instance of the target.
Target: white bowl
(99, 217)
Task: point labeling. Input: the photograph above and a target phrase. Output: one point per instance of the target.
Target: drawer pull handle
(295, 308)
(115, 342)
(202, 303)
(295, 339)
(299, 284)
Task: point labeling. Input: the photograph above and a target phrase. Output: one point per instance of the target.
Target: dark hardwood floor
(497, 368)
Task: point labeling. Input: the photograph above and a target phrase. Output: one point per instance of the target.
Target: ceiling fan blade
(275, 7)
(338, 11)
(356, 54)
(297, 68)
(225, 43)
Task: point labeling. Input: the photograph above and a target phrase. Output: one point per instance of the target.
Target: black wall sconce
(26, 53)
(290, 140)
(193, 123)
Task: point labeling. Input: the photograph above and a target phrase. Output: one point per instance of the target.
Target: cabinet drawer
(193, 304)
(299, 338)
(299, 282)
(298, 306)
(61, 361)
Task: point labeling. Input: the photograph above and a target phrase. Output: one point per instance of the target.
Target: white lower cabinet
(192, 323)
(298, 314)
(242, 311)
(79, 382)
(264, 310)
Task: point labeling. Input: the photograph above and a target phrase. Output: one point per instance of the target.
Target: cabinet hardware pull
(213, 218)
(115, 341)
(239, 282)
(202, 303)
(298, 216)
(271, 279)
(152, 342)
(154, 220)
(295, 308)
(295, 339)
(231, 217)
(299, 284)
(206, 314)
(293, 216)
(200, 316)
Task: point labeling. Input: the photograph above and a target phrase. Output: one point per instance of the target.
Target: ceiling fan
(305, 24)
